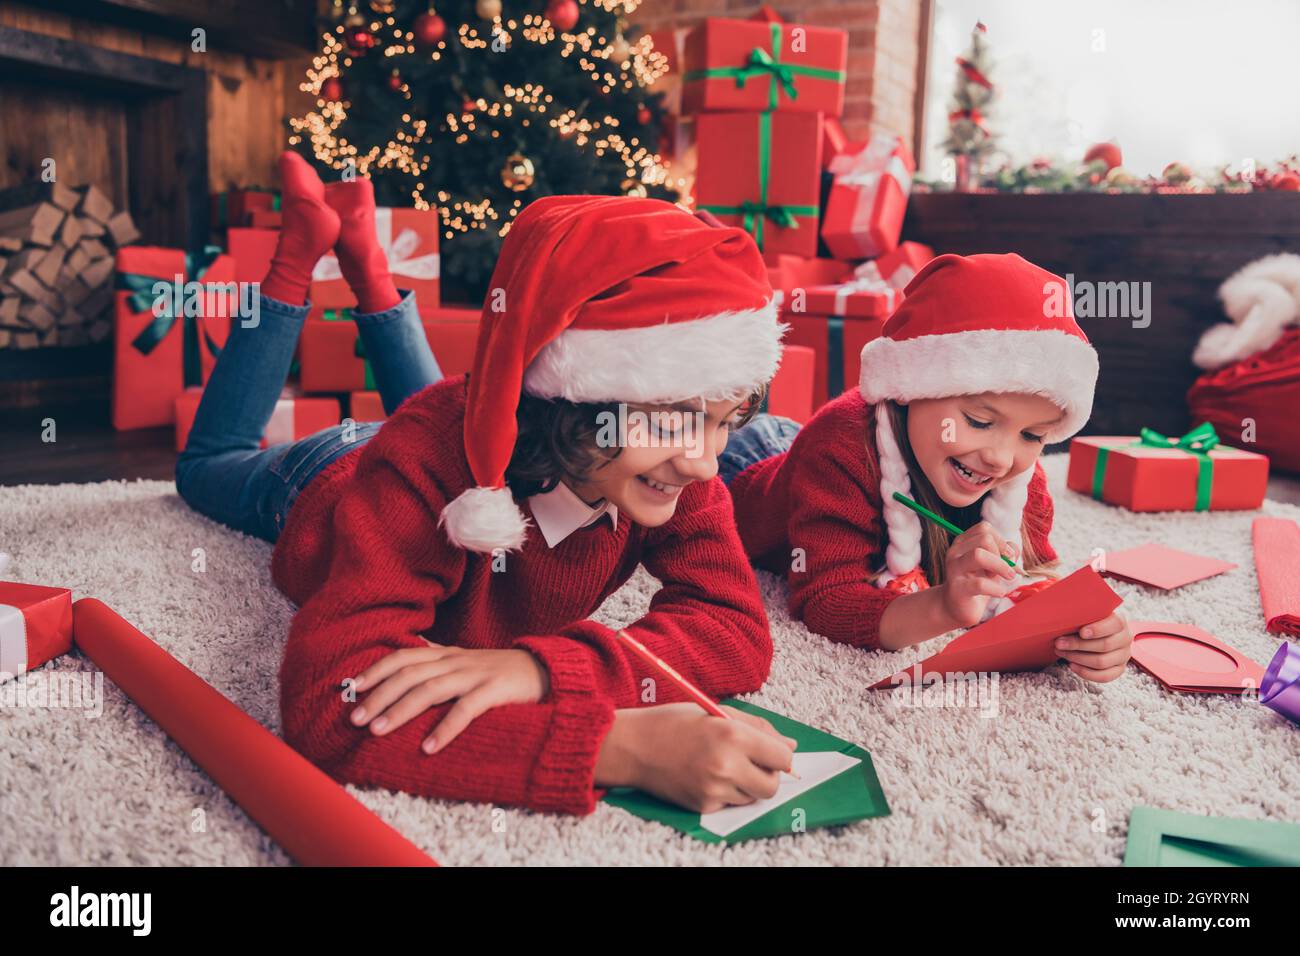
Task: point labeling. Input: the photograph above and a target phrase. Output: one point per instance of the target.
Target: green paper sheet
(854, 794)
(1165, 838)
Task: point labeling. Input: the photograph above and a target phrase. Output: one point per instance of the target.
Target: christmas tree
(969, 140)
(478, 107)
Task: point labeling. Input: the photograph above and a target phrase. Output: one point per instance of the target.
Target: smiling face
(970, 444)
(664, 449)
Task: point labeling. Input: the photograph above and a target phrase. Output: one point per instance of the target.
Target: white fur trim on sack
(719, 357)
(484, 520)
(1048, 362)
(1262, 298)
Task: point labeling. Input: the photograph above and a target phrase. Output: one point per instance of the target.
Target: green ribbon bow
(1199, 442)
(359, 350)
(764, 63)
(142, 299)
(756, 213)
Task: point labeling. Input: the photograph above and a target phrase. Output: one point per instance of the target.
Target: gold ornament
(383, 7)
(488, 9)
(517, 174)
(633, 187)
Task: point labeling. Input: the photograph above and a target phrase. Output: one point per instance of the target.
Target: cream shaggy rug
(1049, 779)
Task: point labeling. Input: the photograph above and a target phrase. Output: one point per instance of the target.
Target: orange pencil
(649, 657)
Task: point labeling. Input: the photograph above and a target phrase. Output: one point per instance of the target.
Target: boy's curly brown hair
(557, 439)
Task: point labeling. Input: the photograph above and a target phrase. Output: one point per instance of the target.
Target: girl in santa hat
(446, 563)
(972, 376)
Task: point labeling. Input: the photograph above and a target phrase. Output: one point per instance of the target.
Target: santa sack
(1256, 398)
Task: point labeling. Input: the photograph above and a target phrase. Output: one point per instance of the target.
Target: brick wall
(884, 49)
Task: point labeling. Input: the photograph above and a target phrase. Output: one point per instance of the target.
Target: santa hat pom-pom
(484, 520)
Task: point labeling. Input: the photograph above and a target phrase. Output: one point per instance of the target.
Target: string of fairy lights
(609, 63)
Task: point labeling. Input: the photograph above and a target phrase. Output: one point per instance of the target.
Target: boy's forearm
(913, 618)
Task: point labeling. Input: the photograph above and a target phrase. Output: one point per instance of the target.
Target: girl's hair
(557, 439)
(934, 539)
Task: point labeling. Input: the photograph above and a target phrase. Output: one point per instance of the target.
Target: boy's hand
(408, 682)
(1100, 651)
(974, 573)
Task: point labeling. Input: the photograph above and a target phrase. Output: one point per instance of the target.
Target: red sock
(308, 229)
(361, 260)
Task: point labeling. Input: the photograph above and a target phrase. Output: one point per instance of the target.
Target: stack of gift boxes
(166, 346)
(765, 99)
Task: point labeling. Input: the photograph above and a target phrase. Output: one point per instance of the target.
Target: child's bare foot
(361, 260)
(309, 227)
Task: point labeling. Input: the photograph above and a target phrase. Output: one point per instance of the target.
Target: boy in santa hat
(446, 563)
(971, 377)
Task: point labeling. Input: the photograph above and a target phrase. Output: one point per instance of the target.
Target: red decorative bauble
(469, 106)
(643, 116)
(429, 29)
(1289, 182)
(563, 14)
(395, 81)
(332, 90)
(359, 40)
(1108, 153)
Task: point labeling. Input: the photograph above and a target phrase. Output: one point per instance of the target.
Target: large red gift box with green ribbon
(409, 239)
(868, 198)
(756, 65)
(166, 337)
(333, 359)
(35, 626)
(1153, 472)
(294, 417)
(837, 344)
(761, 171)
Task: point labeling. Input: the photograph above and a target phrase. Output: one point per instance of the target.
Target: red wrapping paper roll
(316, 821)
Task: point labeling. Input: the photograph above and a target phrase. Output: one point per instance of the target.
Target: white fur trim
(1262, 298)
(902, 524)
(1004, 508)
(1047, 362)
(484, 520)
(722, 356)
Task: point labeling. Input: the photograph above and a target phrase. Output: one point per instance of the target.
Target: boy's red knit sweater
(823, 496)
(363, 557)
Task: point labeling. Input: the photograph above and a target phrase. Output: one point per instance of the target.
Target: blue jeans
(225, 474)
(763, 437)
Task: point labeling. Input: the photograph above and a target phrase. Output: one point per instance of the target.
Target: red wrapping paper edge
(316, 821)
(1276, 543)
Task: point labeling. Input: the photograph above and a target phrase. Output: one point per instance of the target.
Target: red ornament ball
(469, 106)
(1108, 153)
(643, 116)
(332, 90)
(359, 41)
(395, 81)
(1289, 182)
(563, 14)
(429, 29)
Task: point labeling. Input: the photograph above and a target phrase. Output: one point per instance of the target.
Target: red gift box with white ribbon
(35, 626)
(409, 238)
(295, 417)
(868, 198)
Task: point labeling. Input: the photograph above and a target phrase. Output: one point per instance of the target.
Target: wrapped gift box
(264, 219)
(35, 626)
(409, 238)
(837, 343)
(234, 207)
(1153, 473)
(868, 198)
(787, 273)
(756, 65)
(159, 347)
(834, 141)
(333, 359)
(897, 268)
(761, 171)
(252, 250)
(366, 407)
(295, 417)
(791, 390)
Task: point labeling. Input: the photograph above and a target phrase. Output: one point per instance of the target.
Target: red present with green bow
(762, 171)
(1154, 472)
(755, 65)
(172, 313)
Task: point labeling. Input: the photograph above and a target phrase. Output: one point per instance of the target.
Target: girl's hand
(683, 755)
(408, 682)
(974, 573)
(1100, 651)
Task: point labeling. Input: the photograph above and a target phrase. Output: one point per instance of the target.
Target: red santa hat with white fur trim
(968, 325)
(606, 299)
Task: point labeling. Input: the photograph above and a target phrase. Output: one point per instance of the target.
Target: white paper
(815, 767)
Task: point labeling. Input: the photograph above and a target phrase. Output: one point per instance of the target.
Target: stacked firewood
(56, 264)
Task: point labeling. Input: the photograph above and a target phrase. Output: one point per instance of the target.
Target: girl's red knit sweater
(363, 557)
(823, 496)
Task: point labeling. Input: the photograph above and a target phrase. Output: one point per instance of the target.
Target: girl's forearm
(914, 618)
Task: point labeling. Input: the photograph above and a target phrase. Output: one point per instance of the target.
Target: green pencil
(937, 519)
